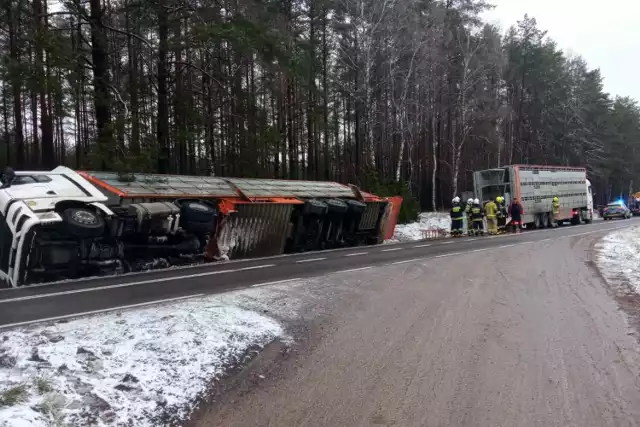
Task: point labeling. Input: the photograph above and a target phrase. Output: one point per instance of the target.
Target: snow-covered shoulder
(426, 220)
(143, 367)
(619, 257)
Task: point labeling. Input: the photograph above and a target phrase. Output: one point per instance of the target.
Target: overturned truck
(67, 224)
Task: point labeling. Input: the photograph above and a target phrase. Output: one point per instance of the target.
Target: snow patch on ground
(143, 367)
(619, 257)
(413, 231)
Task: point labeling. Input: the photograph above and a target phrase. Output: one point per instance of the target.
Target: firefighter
(467, 211)
(555, 208)
(457, 215)
(477, 218)
(490, 210)
(515, 212)
(501, 215)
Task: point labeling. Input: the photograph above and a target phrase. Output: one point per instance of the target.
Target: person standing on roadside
(555, 209)
(468, 218)
(457, 215)
(477, 218)
(501, 214)
(515, 212)
(490, 211)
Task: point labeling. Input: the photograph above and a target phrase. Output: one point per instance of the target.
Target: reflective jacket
(456, 212)
(490, 209)
(476, 213)
(555, 205)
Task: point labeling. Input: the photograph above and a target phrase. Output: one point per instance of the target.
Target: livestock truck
(535, 187)
(65, 224)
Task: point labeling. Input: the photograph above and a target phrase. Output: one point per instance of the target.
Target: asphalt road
(514, 336)
(62, 300)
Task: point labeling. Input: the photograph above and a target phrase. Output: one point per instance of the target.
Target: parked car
(616, 209)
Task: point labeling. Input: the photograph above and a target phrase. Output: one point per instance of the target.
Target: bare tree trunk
(16, 82)
(101, 83)
(434, 156)
(162, 132)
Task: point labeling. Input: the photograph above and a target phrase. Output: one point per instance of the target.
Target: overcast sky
(606, 34)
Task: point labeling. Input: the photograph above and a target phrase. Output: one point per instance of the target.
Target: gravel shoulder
(520, 336)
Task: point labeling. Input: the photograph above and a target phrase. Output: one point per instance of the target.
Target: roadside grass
(51, 407)
(42, 384)
(14, 395)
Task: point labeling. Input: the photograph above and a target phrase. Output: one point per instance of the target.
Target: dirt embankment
(523, 336)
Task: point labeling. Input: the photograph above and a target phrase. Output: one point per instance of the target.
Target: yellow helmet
(499, 199)
(555, 199)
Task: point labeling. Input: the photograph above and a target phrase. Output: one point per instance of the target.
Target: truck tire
(356, 207)
(83, 222)
(314, 207)
(336, 206)
(197, 217)
(192, 211)
(546, 221)
(537, 222)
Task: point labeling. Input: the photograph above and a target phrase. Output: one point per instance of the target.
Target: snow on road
(426, 220)
(143, 367)
(619, 257)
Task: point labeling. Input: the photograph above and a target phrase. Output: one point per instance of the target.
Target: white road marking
(391, 250)
(106, 310)
(506, 246)
(310, 260)
(449, 254)
(408, 260)
(277, 282)
(357, 254)
(124, 285)
(446, 243)
(352, 269)
(422, 246)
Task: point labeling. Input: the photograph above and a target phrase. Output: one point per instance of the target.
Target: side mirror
(7, 177)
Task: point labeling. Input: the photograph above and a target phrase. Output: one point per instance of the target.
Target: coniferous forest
(397, 96)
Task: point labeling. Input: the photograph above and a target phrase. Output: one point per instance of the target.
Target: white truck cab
(33, 199)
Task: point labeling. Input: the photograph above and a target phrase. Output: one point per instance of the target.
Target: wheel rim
(85, 217)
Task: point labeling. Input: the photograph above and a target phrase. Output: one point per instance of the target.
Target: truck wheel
(197, 212)
(83, 222)
(537, 222)
(315, 207)
(546, 223)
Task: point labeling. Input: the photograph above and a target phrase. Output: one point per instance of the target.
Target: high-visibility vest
(456, 212)
(476, 213)
(556, 207)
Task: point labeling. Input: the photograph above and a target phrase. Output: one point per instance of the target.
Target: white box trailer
(535, 187)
